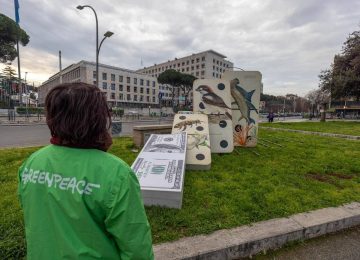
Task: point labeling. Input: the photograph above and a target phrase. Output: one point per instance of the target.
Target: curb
(352, 137)
(249, 240)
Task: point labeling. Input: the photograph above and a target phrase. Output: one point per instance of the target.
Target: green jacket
(82, 204)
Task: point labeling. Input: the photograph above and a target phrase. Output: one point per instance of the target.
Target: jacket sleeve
(126, 219)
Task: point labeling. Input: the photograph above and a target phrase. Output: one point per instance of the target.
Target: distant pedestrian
(271, 117)
(79, 201)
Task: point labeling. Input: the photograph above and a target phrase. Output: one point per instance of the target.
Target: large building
(139, 89)
(123, 88)
(208, 64)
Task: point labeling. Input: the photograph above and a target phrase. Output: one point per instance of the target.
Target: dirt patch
(328, 178)
(341, 176)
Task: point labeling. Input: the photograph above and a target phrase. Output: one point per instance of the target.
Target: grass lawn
(304, 173)
(336, 127)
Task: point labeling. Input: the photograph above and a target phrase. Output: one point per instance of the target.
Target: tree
(9, 73)
(10, 32)
(318, 98)
(187, 85)
(342, 80)
(178, 81)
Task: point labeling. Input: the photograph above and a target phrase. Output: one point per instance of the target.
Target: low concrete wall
(249, 240)
(139, 132)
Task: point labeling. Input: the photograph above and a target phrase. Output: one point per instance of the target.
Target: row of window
(128, 79)
(173, 66)
(132, 98)
(177, 65)
(128, 88)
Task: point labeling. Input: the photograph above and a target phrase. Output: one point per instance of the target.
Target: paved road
(33, 135)
(339, 246)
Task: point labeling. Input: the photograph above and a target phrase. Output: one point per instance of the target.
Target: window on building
(104, 76)
(213, 74)
(94, 74)
(147, 91)
(148, 99)
(135, 97)
(94, 82)
(183, 63)
(197, 60)
(104, 84)
(128, 97)
(153, 84)
(112, 86)
(179, 64)
(141, 90)
(192, 67)
(217, 68)
(220, 69)
(135, 89)
(121, 96)
(220, 63)
(128, 88)
(203, 65)
(192, 61)
(182, 70)
(213, 60)
(112, 77)
(121, 87)
(127, 79)
(112, 96)
(141, 98)
(203, 72)
(213, 67)
(141, 82)
(203, 58)
(121, 78)
(197, 73)
(197, 67)
(153, 91)
(135, 81)
(187, 68)
(154, 99)
(148, 83)
(217, 62)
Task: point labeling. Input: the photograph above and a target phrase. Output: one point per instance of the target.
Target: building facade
(203, 65)
(123, 88)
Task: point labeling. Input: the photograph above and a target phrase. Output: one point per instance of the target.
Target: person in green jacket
(79, 201)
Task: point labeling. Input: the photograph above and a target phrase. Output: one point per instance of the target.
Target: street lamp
(106, 35)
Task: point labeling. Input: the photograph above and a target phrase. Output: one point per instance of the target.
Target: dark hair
(77, 115)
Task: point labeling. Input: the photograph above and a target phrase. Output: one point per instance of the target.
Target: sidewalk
(249, 240)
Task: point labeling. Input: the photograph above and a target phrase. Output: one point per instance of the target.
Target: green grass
(308, 172)
(336, 127)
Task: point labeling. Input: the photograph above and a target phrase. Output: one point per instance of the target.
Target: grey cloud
(288, 41)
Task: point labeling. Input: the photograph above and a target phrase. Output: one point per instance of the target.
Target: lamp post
(27, 97)
(106, 35)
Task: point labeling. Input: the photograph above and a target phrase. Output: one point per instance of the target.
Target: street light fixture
(106, 35)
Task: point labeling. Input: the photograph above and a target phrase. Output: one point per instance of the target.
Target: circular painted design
(222, 124)
(182, 117)
(221, 86)
(200, 156)
(224, 144)
(200, 128)
(201, 105)
(238, 128)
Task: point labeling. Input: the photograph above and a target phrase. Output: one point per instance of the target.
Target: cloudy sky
(289, 42)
